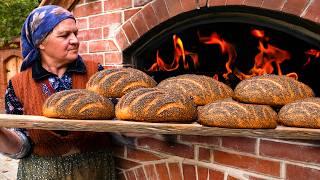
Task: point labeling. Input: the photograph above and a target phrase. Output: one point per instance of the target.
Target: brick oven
(226, 39)
(142, 33)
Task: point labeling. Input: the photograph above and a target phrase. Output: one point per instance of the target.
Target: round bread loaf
(302, 113)
(156, 105)
(78, 104)
(271, 90)
(228, 113)
(117, 82)
(202, 89)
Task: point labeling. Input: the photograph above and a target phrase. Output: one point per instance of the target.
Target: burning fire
(267, 61)
(312, 53)
(226, 48)
(179, 53)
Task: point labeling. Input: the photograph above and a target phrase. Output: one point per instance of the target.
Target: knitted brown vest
(49, 143)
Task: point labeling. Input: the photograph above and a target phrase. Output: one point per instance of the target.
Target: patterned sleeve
(14, 106)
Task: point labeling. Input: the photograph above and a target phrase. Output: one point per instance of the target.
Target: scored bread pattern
(302, 113)
(202, 89)
(155, 105)
(117, 82)
(271, 90)
(232, 114)
(78, 104)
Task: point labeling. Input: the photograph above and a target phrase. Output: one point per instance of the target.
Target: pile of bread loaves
(189, 98)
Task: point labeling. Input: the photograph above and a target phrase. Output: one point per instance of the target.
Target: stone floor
(8, 168)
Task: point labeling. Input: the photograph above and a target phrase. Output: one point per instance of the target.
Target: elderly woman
(51, 64)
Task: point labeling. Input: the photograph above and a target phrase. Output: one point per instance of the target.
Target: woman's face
(61, 45)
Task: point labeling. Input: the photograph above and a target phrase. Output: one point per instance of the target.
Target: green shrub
(12, 15)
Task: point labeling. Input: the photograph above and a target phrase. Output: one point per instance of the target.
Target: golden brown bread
(302, 113)
(78, 104)
(271, 90)
(228, 113)
(202, 89)
(155, 105)
(117, 82)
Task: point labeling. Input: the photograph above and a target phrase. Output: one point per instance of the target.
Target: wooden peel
(40, 122)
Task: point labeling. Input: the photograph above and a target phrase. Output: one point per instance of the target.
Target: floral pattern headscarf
(40, 22)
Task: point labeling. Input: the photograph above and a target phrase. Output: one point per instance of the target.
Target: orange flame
(268, 57)
(312, 53)
(226, 48)
(179, 53)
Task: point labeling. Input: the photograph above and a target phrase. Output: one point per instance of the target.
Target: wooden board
(40, 122)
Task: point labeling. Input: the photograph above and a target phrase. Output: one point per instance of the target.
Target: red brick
(254, 3)
(295, 152)
(248, 163)
(173, 149)
(273, 4)
(82, 23)
(162, 171)
(129, 13)
(234, 2)
(118, 4)
(207, 140)
(203, 173)
(130, 175)
(139, 23)
(232, 178)
(113, 58)
(104, 20)
(204, 154)
(125, 163)
(239, 144)
(88, 9)
(101, 46)
(216, 175)
(130, 32)
(161, 10)
(175, 171)
(294, 172)
(202, 3)
(150, 171)
(140, 174)
(294, 6)
(216, 3)
(83, 48)
(174, 7)
(188, 5)
(141, 2)
(83, 35)
(189, 172)
(121, 176)
(93, 57)
(313, 11)
(121, 39)
(256, 178)
(149, 16)
(141, 155)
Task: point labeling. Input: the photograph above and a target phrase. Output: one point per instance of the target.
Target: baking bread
(78, 104)
(117, 82)
(202, 89)
(271, 90)
(228, 113)
(302, 113)
(155, 105)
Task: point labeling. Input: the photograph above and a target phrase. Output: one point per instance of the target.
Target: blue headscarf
(40, 22)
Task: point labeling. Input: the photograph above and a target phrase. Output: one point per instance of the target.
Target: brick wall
(107, 27)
